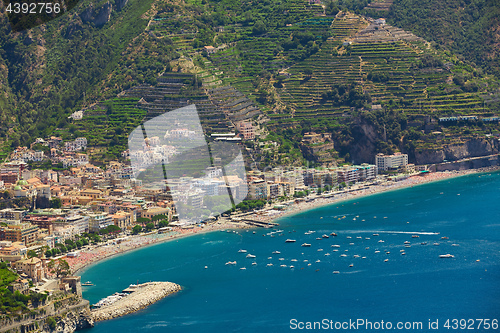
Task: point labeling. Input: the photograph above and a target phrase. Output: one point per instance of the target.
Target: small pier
(258, 223)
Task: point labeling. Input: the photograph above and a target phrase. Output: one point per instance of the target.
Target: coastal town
(56, 222)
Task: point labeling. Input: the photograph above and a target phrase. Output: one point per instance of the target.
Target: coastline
(271, 215)
(100, 253)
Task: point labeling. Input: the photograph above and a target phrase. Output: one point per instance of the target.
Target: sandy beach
(294, 207)
(96, 253)
(100, 252)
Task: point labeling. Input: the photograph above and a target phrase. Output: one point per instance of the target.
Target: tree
(159, 217)
(143, 220)
(31, 254)
(259, 28)
(150, 226)
(136, 229)
(55, 203)
(59, 267)
(48, 253)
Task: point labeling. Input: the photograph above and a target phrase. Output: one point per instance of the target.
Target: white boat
(269, 258)
(351, 243)
(308, 232)
(325, 236)
(282, 265)
(406, 242)
(349, 237)
(290, 241)
(335, 250)
(377, 251)
(375, 234)
(294, 260)
(306, 245)
(276, 252)
(343, 255)
(269, 265)
(402, 253)
(319, 250)
(336, 272)
(242, 251)
(359, 237)
(254, 263)
(335, 245)
(88, 283)
(327, 254)
(292, 266)
(333, 234)
(386, 260)
(281, 259)
(231, 263)
(356, 256)
(446, 256)
(351, 265)
(436, 244)
(250, 256)
(318, 260)
(380, 241)
(415, 236)
(242, 268)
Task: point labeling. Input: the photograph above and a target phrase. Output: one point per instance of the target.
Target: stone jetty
(143, 295)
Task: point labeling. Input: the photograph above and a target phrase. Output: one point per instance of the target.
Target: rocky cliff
(470, 148)
(70, 322)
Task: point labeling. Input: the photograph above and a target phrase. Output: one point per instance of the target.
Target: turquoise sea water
(415, 287)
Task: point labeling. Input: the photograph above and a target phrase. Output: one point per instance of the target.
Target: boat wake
(408, 232)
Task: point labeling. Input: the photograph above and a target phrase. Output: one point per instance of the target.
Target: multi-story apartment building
(247, 130)
(258, 189)
(23, 232)
(99, 221)
(386, 162)
(123, 219)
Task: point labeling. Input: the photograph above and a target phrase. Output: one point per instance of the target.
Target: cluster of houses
(59, 152)
(279, 182)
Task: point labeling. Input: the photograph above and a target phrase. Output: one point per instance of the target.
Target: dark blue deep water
(415, 287)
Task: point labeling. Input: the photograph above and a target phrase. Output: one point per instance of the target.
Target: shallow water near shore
(415, 287)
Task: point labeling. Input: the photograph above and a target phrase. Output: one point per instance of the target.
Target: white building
(99, 221)
(386, 162)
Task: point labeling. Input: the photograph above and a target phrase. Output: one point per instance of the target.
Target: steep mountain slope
(288, 66)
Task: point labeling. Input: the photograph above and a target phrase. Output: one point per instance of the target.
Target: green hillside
(288, 66)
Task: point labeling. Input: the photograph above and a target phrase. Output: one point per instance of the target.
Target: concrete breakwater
(143, 295)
